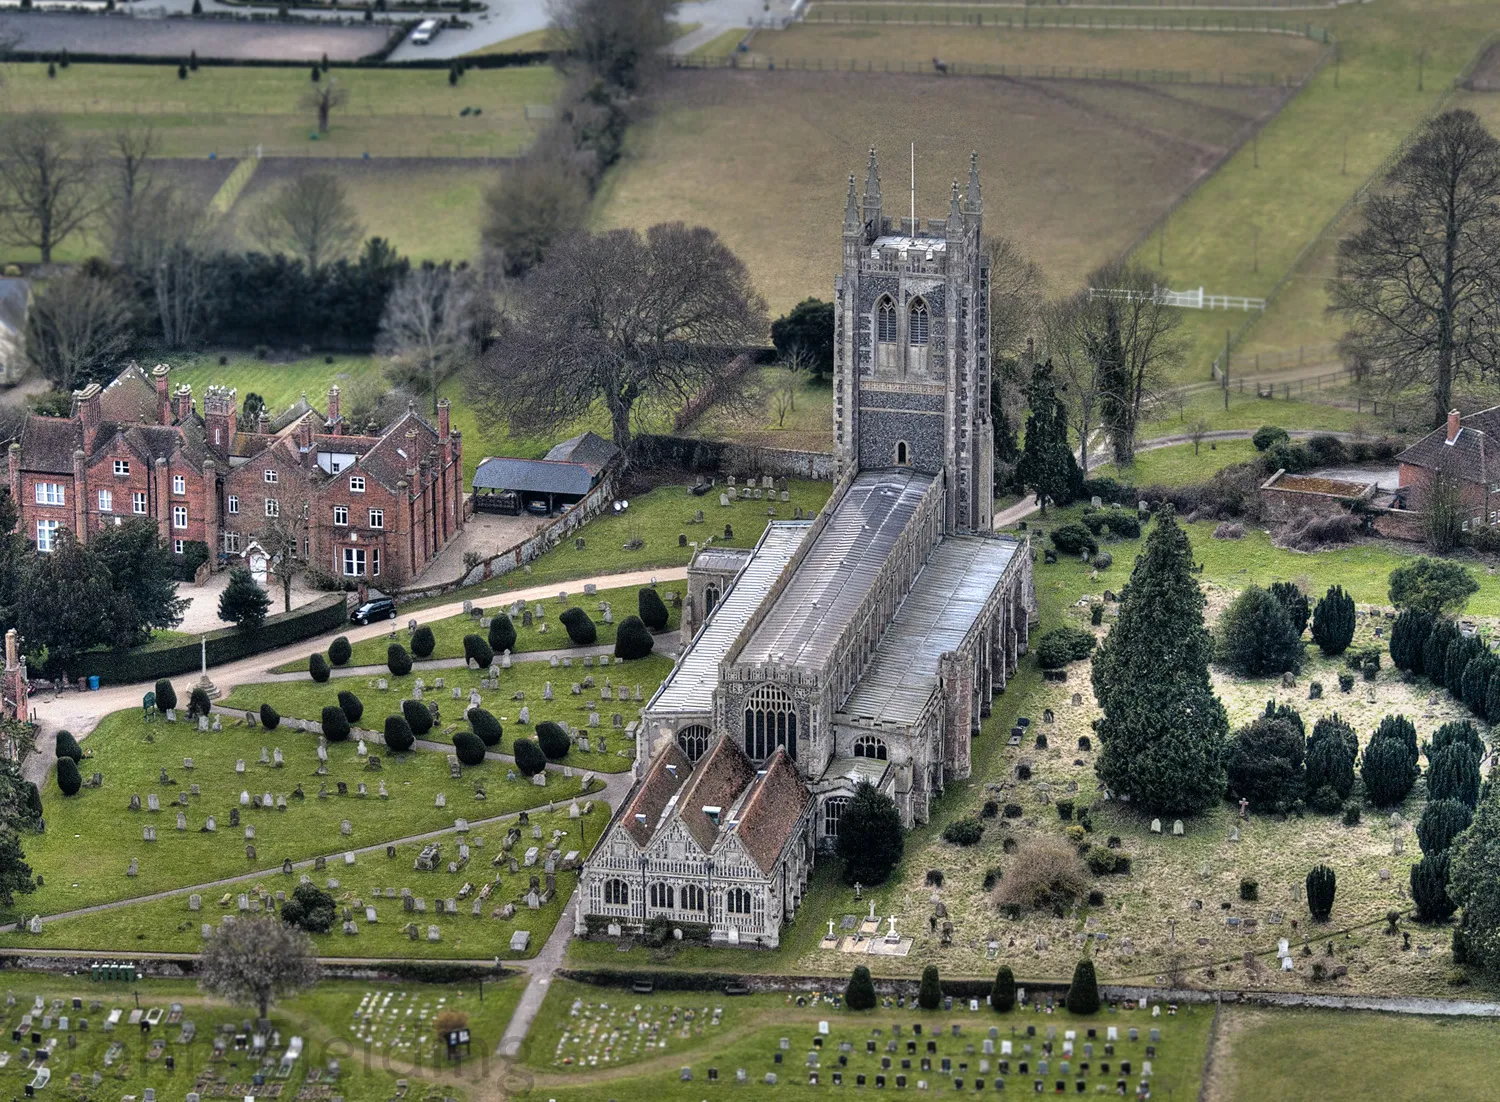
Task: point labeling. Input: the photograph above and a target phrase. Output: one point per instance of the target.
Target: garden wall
(716, 457)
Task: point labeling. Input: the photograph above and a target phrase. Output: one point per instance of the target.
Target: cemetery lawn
(449, 633)
(1307, 1055)
(1179, 464)
(307, 699)
(92, 837)
(318, 1017)
(656, 517)
(751, 1028)
(169, 925)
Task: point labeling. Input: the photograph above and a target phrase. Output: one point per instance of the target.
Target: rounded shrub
(423, 642)
(1063, 645)
(317, 665)
(477, 651)
(1389, 765)
(529, 757)
(351, 705)
(398, 736)
(485, 726)
(633, 639)
(930, 993)
(67, 746)
(166, 696)
(310, 908)
(860, 994)
(964, 832)
(1073, 539)
(1333, 622)
(1268, 436)
(69, 779)
(1257, 637)
(198, 703)
(339, 651)
(553, 740)
(579, 627)
(1003, 990)
(397, 660)
(1083, 992)
(653, 609)
(335, 723)
(1321, 885)
(418, 718)
(270, 719)
(502, 634)
(468, 749)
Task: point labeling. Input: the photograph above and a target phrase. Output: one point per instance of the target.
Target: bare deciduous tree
(322, 98)
(533, 204)
(310, 217)
(1135, 337)
(1065, 332)
(47, 189)
(1197, 433)
(172, 238)
(131, 183)
(433, 324)
(257, 960)
(617, 41)
(285, 536)
(618, 318)
(1420, 283)
(79, 325)
(1017, 287)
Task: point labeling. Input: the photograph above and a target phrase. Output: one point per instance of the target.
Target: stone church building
(863, 645)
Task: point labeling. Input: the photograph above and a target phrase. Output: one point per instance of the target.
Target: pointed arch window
(616, 893)
(737, 901)
(694, 741)
(868, 746)
(918, 329)
(885, 321)
(770, 721)
(693, 897)
(662, 896)
(903, 453)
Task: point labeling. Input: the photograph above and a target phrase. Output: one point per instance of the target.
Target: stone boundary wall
(716, 457)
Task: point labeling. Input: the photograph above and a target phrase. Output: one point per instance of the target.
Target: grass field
(758, 420)
(92, 837)
(1100, 161)
(1180, 464)
(169, 925)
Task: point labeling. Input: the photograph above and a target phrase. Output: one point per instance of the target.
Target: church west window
(770, 721)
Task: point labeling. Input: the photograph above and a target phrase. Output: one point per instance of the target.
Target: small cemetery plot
(617, 1030)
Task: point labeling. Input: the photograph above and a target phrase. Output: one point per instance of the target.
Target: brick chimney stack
(305, 432)
(263, 422)
(443, 418)
(182, 402)
(86, 409)
(334, 421)
(163, 394)
(1453, 425)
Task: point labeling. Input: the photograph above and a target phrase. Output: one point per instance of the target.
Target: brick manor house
(372, 507)
(863, 645)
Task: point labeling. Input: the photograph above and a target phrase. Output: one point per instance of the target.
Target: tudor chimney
(163, 394)
(334, 422)
(1453, 425)
(86, 408)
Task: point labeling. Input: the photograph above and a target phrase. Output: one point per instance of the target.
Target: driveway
(486, 534)
(203, 610)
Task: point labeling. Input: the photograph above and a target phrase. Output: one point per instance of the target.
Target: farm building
(570, 470)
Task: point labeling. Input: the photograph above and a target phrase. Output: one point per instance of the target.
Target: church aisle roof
(948, 596)
(772, 810)
(840, 570)
(643, 811)
(690, 685)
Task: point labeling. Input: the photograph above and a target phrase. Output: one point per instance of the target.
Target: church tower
(911, 347)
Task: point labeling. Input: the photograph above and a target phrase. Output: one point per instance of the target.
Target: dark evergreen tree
(632, 639)
(1003, 990)
(423, 642)
(579, 627)
(1492, 701)
(1434, 585)
(1429, 888)
(468, 749)
(485, 726)
(398, 736)
(1474, 884)
(1264, 763)
(1435, 648)
(553, 740)
(242, 602)
(339, 651)
(1333, 622)
(1083, 992)
(335, 723)
(652, 608)
(930, 993)
(69, 779)
(1256, 636)
(1461, 652)
(1459, 731)
(1453, 774)
(317, 666)
(269, 718)
(860, 994)
(502, 634)
(1408, 635)
(872, 842)
(806, 330)
(310, 908)
(529, 757)
(198, 703)
(16, 877)
(1474, 683)
(477, 651)
(1331, 753)
(1163, 729)
(166, 696)
(352, 707)
(1389, 767)
(67, 746)
(417, 716)
(1047, 467)
(1294, 601)
(397, 660)
(1441, 822)
(1321, 885)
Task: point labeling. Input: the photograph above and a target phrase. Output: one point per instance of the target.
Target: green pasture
(169, 925)
(448, 634)
(1179, 464)
(92, 837)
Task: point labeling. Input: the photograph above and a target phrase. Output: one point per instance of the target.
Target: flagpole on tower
(913, 189)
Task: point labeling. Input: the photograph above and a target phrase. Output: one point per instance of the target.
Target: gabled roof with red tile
(47, 444)
(395, 454)
(131, 399)
(1473, 455)
(643, 810)
(772, 811)
(718, 780)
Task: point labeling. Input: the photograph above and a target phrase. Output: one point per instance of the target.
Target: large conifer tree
(1163, 728)
(1048, 467)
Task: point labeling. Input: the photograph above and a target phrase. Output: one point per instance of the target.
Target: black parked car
(376, 608)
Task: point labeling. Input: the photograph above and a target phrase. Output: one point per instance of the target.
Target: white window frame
(179, 546)
(353, 562)
(106, 501)
(377, 518)
(179, 484)
(138, 503)
(179, 517)
(341, 516)
(231, 543)
(46, 534)
(122, 467)
(51, 493)
(273, 507)
(374, 562)
(356, 484)
(232, 504)
(270, 477)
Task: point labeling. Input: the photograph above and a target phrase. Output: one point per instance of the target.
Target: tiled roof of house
(1474, 454)
(389, 460)
(720, 777)
(772, 810)
(642, 812)
(294, 413)
(47, 444)
(130, 399)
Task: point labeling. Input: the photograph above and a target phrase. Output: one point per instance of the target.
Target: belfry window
(770, 721)
(885, 322)
(918, 317)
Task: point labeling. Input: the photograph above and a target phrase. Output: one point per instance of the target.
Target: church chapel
(864, 645)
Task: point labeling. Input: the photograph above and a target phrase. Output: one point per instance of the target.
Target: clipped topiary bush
(964, 832)
(352, 706)
(423, 642)
(553, 740)
(418, 718)
(67, 746)
(1429, 889)
(339, 651)
(653, 609)
(1083, 992)
(1073, 539)
(632, 639)
(1441, 822)
(579, 627)
(69, 779)
(335, 723)
(317, 665)
(485, 726)
(1256, 637)
(1063, 645)
(529, 757)
(1321, 885)
(198, 703)
(270, 719)
(1389, 766)
(478, 652)
(1454, 774)
(860, 994)
(468, 749)
(1294, 601)
(1333, 622)
(1268, 436)
(397, 660)
(166, 696)
(398, 736)
(502, 634)
(930, 993)
(1003, 990)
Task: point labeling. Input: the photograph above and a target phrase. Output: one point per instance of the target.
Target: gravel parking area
(175, 38)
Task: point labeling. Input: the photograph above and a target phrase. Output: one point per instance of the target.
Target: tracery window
(661, 896)
(694, 741)
(693, 897)
(918, 329)
(868, 746)
(737, 901)
(770, 721)
(617, 893)
(885, 321)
